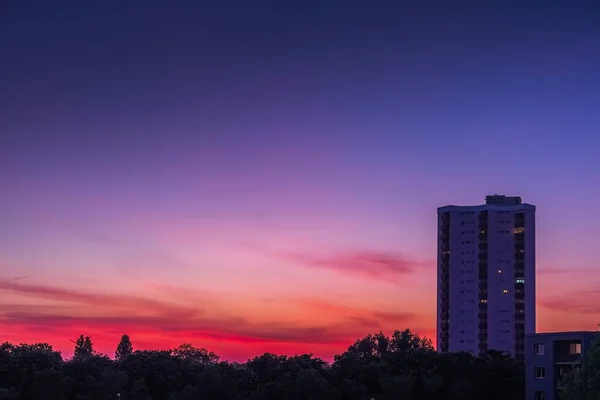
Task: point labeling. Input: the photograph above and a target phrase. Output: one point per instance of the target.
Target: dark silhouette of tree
(93, 377)
(418, 389)
(83, 347)
(201, 356)
(30, 371)
(401, 366)
(124, 348)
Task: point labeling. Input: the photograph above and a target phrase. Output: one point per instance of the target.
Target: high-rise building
(486, 276)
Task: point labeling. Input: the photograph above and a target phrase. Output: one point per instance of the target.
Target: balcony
(520, 325)
(567, 351)
(520, 295)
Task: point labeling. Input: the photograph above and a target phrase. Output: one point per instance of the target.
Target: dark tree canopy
(83, 347)
(124, 348)
(400, 366)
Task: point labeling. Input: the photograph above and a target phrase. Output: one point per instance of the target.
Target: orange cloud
(159, 322)
(123, 302)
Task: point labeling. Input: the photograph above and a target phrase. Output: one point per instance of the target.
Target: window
(539, 395)
(520, 280)
(505, 291)
(539, 372)
(575, 348)
(539, 349)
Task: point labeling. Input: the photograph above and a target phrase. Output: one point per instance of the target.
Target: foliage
(190, 353)
(83, 347)
(584, 383)
(124, 348)
(401, 366)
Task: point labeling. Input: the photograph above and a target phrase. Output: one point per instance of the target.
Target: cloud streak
(123, 302)
(116, 313)
(369, 264)
(584, 302)
(556, 271)
(367, 319)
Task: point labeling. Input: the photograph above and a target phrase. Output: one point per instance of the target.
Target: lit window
(483, 301)
(499, 271)
(539, 349)
(519, 230)
(575, 348)
(505, 291)
(539, 372)
(520, 280)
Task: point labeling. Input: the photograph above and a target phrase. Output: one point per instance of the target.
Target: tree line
(400, 366)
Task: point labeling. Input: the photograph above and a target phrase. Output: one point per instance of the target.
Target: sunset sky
(253, 176)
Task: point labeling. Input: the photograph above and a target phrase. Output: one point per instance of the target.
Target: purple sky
(278, 152)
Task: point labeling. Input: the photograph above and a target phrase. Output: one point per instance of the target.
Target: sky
(253, 176)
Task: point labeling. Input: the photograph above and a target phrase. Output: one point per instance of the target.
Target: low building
(548, 357)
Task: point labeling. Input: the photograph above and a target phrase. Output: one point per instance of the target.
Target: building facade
(548, 357)
(486, 276)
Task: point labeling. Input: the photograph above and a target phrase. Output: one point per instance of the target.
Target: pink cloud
(555, 271)
(370, 264)
(113, 314)
(584, 302)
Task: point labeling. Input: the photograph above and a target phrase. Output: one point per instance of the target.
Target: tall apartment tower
(486, 276)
